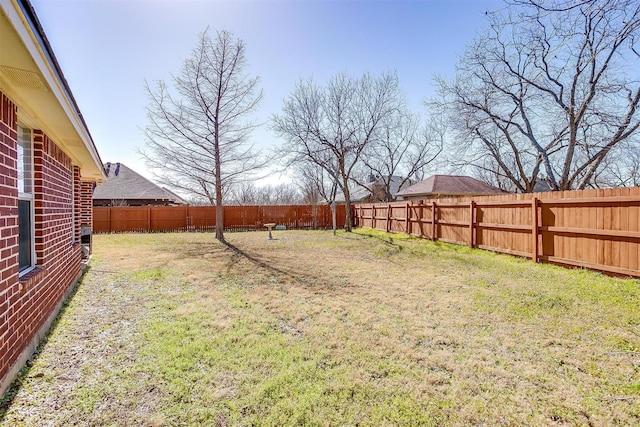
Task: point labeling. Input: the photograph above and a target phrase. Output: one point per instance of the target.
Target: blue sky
(108, 48)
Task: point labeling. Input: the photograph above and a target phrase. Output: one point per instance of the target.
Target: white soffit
(33, 83)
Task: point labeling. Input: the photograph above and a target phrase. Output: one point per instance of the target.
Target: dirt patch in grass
(311, 329)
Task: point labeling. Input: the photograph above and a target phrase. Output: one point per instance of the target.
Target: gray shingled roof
(126, 184)
(359, 193)
(449, 185)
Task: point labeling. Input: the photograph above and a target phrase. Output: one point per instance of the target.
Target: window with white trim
(26, 251)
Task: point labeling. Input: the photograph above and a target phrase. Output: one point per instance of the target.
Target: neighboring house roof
(126, 184)
(542, 186)
(449, 185)
(31, 76)
(358, 192)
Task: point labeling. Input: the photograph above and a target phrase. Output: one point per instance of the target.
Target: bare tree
(401, 152)
(622, 169)
(118, 202)
(197, 133)
(316, 185)
(331, 126)
(247, 193)
(281, 194)
(550, 90)
(244, 194)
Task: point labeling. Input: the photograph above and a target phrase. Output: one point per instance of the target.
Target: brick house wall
(8, 227)
(28, 303)
(86, 203)
(76, 203)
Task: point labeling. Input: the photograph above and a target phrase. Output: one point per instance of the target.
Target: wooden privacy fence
(119, 219)
(596, 229)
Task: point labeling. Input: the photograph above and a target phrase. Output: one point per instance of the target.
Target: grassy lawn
(310, 329)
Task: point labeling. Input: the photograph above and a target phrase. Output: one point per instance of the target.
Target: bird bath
(270, 227)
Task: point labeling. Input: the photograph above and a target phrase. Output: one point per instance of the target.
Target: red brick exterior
(76, 204)
(27, 302)
(8, 230)
(86, 203)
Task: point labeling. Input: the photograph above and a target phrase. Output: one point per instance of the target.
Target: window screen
(25, 238)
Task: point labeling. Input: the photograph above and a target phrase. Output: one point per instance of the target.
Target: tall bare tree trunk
(331, 126)
(219, 201)
(198, 133)
(347, 199)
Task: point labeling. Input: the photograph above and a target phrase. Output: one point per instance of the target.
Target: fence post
(109, 219)
(421, 218)
(472, 206)
(434, 221)
(406, 219)
(534, 229)
(373, 216)
(388, 217)
(148, 219)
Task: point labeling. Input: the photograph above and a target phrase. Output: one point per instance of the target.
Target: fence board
(200, 218)
(167, 218)
(120, 219)
(597, 229)
(633, 227)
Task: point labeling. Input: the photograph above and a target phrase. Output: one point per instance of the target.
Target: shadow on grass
(16, 385)
(386, 239)
(318, 282)
(261, 263)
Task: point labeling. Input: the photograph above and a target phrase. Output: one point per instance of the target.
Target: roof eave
(22, 17)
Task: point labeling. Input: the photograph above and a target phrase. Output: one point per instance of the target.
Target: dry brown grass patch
(367, 328)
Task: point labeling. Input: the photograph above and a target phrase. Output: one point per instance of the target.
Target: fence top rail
(506, 203)
(450, 205)
(319, 205)
(590, 200)
(521, 202)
